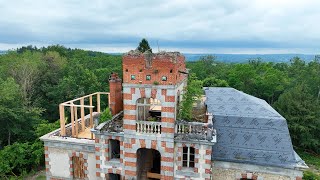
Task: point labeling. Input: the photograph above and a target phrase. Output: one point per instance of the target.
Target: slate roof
(249, 130)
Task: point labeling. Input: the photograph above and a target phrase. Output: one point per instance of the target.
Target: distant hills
(240, 58)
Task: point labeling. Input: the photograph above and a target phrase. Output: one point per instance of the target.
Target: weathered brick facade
(163, 77)
(116, 102)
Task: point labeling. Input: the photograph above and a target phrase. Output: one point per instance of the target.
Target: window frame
(164, 78)
(148, 76)
(112, 143)
(145, 104)
(189, 163)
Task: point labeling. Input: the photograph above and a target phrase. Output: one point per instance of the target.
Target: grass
(309, 158)
(313, 161)
(41, 177)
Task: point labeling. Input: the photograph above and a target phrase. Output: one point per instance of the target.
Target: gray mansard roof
(249, 130)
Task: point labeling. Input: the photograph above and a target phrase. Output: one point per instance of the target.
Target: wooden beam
(62, 121)
(72, 122)
(83, 123)
(75, 105)
(76, 118)
(109, 100)
(98, 103)
(91, 111)
(86, 96)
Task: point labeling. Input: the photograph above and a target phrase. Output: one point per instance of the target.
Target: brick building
(145, 140)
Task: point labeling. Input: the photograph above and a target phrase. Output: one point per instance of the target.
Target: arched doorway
(148, 164)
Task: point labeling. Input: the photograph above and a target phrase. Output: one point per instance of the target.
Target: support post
(91, 111)
(76, 118)
(83, 123)
(62, 121)
(98, 102)
(72, 121)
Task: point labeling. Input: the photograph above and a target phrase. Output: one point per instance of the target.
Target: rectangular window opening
(188, 157)
(115, 149)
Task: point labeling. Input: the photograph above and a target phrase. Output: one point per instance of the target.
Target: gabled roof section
(249, 130)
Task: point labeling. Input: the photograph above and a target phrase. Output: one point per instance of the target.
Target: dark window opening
(148, 77)
(164, 78)
(188, 157)
(115, 149)
(170, 70)
(133, 77)
(126, 70)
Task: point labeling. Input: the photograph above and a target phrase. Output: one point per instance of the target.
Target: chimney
(116, 102)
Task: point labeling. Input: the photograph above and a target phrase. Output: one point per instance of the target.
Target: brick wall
(161, 65)
(165, 148)
(202, 167)
(116, 100)
(104, 164)
(164, 143)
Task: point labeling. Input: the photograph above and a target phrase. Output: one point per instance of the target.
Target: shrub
(105, 116)
(308, 175)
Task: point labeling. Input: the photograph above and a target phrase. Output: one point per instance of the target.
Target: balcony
(148, 127)
(186, 131)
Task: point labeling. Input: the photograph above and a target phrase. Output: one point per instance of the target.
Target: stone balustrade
(148, 127)
(194, 131)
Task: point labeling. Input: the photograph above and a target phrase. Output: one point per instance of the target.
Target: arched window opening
(148, 109)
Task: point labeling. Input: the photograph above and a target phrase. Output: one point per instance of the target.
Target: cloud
(195, 25)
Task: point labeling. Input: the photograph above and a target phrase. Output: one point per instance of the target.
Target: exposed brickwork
(249, 176)
(116, 102)
(161, 66)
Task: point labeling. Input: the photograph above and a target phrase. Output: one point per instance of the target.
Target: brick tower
(151, 92)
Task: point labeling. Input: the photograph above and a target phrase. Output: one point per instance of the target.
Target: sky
(193, 26)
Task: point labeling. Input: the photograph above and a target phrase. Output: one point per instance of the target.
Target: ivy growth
(192, 92)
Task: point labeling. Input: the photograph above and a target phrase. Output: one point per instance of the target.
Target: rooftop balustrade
(185, 130)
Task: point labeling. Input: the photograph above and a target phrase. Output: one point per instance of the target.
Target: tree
(191, 94)
(214, 82)
(144, 46)
(301, 110)
(17, 122)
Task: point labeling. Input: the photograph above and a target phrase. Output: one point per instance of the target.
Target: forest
(33, 81)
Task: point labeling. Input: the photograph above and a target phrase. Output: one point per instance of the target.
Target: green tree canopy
(144, 46)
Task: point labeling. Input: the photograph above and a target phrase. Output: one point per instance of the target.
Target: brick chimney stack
(116, 102)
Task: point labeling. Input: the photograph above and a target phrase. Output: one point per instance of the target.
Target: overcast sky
(194, 26)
